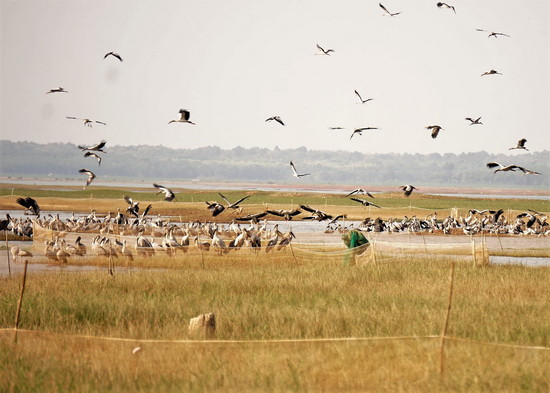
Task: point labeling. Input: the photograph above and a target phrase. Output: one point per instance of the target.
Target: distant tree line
(272, 165)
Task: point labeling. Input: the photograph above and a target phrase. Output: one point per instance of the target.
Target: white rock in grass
(204, 324)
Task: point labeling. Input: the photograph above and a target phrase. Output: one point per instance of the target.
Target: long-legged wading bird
(361, 98)
(30, 204)
(87, 122)
(114, 54)
(408, 189)
(359, 131)
(252, 217)
(98, 147)
(493, 33)
(277, 119)
(325, 52)
(168, 193)
(133, 207)
(90, 174)
(360, 191)
(435, 130)
(445, 5)
(386, 12)
(512, 167)
(473, 122)
(184, 117)
(58, 90)
(492, 72)
(90, 154)
(364, 202)
(215, 208)
(286, 214)
(520, 145)
(234, 205)
(295, 173)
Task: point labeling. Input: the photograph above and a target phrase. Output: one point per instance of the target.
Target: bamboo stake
(19, 302)
(8, 251)
(446, 322)
(294, 256)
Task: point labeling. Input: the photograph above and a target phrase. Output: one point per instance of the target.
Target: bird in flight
(360, 98)
(30, 204)
(336, 128)
(215, 208)
(234, 205)
(295, 173)
(58, 90)
(184, 118)
(408, 189)
(87, 122)
(277, 119)
(90, 154)
(445, 5)
(492, 72)
(98, 147)
(90, 174)
(520, 145)
(168, 193)
(114, 54)
(360, 191)
(364, 202)
(388, 12)
(493, 33)
(472, 121)
(513, 168)
(435, 130)
(286, 214)
(359, 131)
(325, 52)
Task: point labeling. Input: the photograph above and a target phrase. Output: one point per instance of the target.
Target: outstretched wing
(293, 169)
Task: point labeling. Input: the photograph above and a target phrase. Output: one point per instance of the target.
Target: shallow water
(523, 261)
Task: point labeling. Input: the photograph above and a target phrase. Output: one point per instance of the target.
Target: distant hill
(265, 165)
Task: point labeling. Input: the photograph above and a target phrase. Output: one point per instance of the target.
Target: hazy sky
(233, 64)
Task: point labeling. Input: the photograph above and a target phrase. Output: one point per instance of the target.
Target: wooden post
(294, 256)
(499, 242)
(446, 321)
(474, 250)
(8, 252)
(200, 250)
(373, 253)
(425, 247)
(19, 302)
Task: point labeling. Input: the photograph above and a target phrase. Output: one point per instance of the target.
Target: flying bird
(360, 191)
(364, 202)
(435, 130)
(359, 131)
(472, 121)
(168, 193)
(520, 145)
(408, 189)
(388, 12)
(336, 128)
(234, 205)
(90, 174)
(493, 33)
(30, 204)
(316, 214)
(325, 52)
(215, 208)
(133, 207)
(87, 122)
(277, 119)
(360, 98)
(286, 214)
(492, 72)
(90, 154)
(98, 147)
(295, 173)
(445, 5)
(512, 167)
(58, 90)
(112, 54)
(252, 217)
(184, 118)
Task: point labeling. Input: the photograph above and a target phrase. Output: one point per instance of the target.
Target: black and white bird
(90, 174)
(361, 98)
(325, 52)
(445, 5)
(215, 208)
(316, 214)
(184, 117)
(520, 145)
(295, 173)
(252, 217)
(90, 154)
(133, 207)
(286, 214)
(512, 168)
(435, 130)
(360, 191)
(408, 189)
(234, 205)
(87, 122)
(98, 147)
(364, 202)
(58, 90)
(277, 119)
(388, 12)
(168, 193)
(493, 33)
(114, 54)
(336, 128)
(30, 204)
(492, 72)
(359, 131)
(473, 122)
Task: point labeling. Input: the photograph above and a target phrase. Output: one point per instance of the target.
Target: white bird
(113, 54)
(408, 189)
(360, 191)
(388, 12)
(512, 167)
(184, 118)
(277, 119)
(435, 130)
(520, 145)
(325, 52)
(364, 202)
(361, 98)
(473, 122)
(295, 173)
(90, 174)
(234, 205)
(493, 33)
(359, 131)
(90, 154)
(58, 90)
(98, 147)
(168, 193)
(492, 72)
(440, 4)
(87, 122)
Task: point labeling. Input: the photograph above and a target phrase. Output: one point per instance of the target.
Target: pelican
(184, 118)
(364, 202)
(435, 130)
(360, 191)
(234, 205)
(98, 147)
(277, 119)
(87, 122)
(30, 204)
(361, 99)
(90, 174)
(520, 145)
(168, 193)
(359, 131)
(388, 12)
(112, 54)
(493, 33)
(90, 154)
(295, 173)
(408, 189)
(325, 52)
(473, 122)
(440, 4)
(492, 72)
(58, 90)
